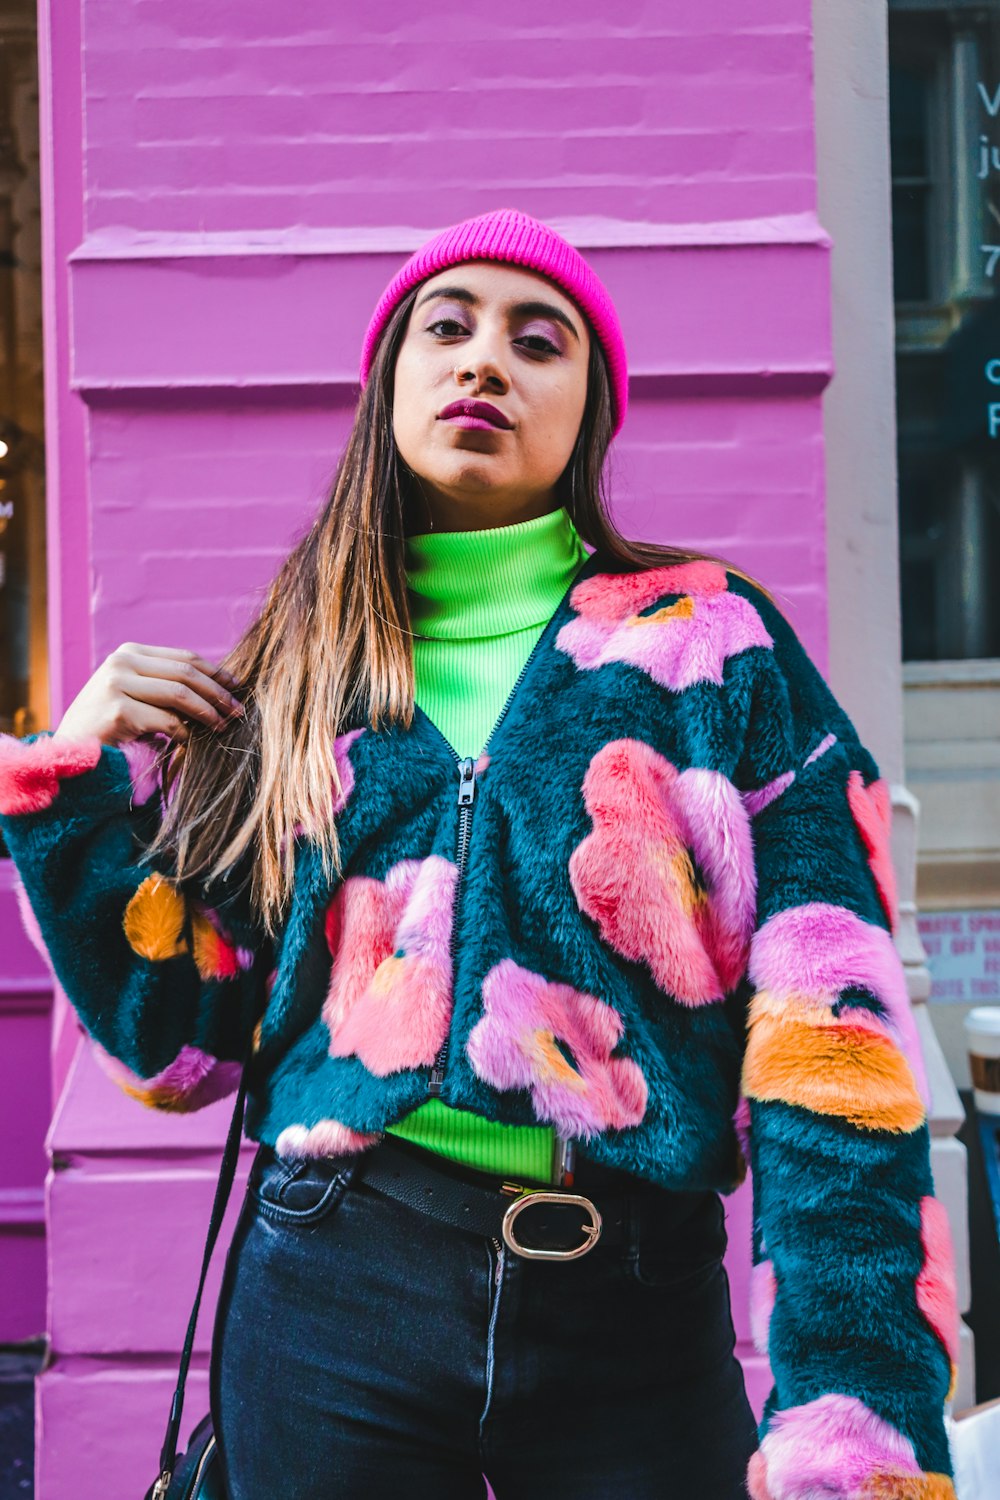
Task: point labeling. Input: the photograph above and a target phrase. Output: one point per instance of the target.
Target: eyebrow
(525, 309)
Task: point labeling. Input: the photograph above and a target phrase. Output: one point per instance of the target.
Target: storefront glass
(23, 643)
(944, 88)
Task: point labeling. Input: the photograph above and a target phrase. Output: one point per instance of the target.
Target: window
(944, 113)
(23, 643)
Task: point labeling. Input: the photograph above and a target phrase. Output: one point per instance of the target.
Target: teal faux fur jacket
(656, 914)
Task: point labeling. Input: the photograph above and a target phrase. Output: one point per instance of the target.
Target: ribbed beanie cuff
(508, 235)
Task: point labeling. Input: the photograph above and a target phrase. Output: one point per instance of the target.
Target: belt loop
(563, 1161)
(632, 1228)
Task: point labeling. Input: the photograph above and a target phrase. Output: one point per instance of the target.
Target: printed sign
(963, 955)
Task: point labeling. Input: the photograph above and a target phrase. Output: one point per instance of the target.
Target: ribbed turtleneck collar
(473, 584)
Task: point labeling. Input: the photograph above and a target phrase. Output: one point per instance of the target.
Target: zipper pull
(466, 781)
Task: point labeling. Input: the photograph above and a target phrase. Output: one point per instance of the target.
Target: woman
(550, 954)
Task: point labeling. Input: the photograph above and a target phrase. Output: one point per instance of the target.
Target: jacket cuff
(191, 1081)
(836, 1447)
(32, 769)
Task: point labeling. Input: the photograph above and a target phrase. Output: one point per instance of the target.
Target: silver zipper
(466, 801)
(466, 798)
(203, 1464)
(491, 1330)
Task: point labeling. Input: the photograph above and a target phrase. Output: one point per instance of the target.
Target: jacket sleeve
(852, 1285)
(167, 980)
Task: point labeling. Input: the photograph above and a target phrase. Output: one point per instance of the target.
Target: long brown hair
(330, 649)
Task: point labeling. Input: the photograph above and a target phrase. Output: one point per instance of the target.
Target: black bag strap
(227, 1173)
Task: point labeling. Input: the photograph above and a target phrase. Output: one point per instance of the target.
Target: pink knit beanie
(508, 235)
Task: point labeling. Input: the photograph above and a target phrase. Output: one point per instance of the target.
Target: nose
(485, 366)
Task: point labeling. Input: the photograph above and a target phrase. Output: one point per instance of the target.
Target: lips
(475, 409)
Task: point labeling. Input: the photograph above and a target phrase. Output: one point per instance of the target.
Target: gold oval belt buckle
(525, 1199)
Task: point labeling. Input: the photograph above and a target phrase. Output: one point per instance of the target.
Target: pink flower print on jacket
(668, 871)
(389, 1001)
(344, 776)
(682, 643)
(343, 767)
(191, 1081)
(30, 774)
(871, 809)
(143, 765)
(326, 1138)
(837, 1446)
(515, 1045)
(937, 1294)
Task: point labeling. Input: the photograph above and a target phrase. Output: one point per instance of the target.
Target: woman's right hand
(149, 690)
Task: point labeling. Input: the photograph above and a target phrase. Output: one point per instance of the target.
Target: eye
(447, 322)
(535, 339)
(548, 346)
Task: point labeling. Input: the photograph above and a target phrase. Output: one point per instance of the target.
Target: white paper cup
(982, 1036)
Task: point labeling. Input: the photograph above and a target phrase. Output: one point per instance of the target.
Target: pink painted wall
(25, 1107)
(228, 188)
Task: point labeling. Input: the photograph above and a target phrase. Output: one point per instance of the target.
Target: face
(508, 337)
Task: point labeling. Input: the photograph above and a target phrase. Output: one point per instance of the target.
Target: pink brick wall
(237, 118)
(251, 175)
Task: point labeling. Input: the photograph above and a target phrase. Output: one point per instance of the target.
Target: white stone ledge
(396, 239)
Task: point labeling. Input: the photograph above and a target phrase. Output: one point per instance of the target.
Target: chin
(474, 477)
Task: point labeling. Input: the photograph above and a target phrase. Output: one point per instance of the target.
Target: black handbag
(197, 1474)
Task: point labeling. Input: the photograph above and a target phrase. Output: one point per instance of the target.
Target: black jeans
(363, 1349)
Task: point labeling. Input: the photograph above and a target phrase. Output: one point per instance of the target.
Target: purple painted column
(61, 131)
(36, 1035)
(249, 180)
(25, 1107)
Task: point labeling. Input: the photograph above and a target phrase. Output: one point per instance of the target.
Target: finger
(144, 719)
(222, 674)
(167, 693)
(132, 650)
(215, 670)
(191, 671)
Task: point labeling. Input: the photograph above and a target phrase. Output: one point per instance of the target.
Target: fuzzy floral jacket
(657, 914)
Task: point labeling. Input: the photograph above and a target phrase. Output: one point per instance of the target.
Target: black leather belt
(536, 1221)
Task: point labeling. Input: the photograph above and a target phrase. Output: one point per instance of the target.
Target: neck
(443, 513)
(491, 581)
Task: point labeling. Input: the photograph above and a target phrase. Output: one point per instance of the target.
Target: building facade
(225, 192)
(945, 149)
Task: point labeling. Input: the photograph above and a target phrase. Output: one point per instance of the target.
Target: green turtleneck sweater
(479, 600)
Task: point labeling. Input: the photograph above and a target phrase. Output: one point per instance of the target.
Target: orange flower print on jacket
(668, 871)
(389, 1000)
(155, 925)
(161, 922)
(556, 1042)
